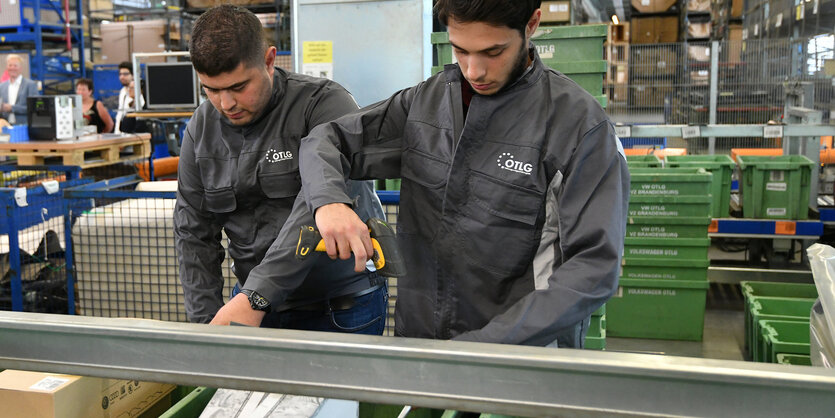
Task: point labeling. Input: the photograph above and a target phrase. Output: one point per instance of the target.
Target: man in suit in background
(13, 93)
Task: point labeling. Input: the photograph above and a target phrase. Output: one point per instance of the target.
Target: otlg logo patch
(274, 156)
(507, 161)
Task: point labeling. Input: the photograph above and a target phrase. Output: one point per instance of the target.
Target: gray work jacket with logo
(245, 180)
(511, 221)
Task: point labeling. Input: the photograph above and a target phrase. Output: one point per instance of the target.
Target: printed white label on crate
(776, 211)
(546, 51)
(776, 175)
(645, 2)
(20, 196)
(744, 34)
(815, 7)
(652, 292)
(619, 293)
(778, 20)
(756, 29)
(653, 251)
(773, 131)
(49, 383)
(558, 8)
(623, 131)
(775, 187)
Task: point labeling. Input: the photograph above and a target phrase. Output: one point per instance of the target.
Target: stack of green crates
(663, 280)
(596, 336)
(775, 187)
(576, 51)
(767, 306)
(721, 166)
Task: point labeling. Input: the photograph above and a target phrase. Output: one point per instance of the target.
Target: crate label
(652, 234)
(744, 34)
(778, 20)
(554, 8)
(49, 383)
(756, 29)
(653, 251)
(546, 51)
(645, 2)
(815, 7)
(619, 293)
(655, 189)
(623, 131)
(690, 132)
(650, 276)
(776, 211)
(651, 292)
(775, 187)
(777, 175)
(653, 210)
(773, 131)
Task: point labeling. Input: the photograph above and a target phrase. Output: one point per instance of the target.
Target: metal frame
(531, 381)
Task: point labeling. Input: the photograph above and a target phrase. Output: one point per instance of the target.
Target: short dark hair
(126, 65)
(224, 37)
(86, 82)
(514, 14)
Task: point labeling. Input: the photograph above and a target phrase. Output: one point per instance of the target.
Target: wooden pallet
(100, 150)
(618, 33)
(616, 52)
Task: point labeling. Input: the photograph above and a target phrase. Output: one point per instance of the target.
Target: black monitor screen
(170, 85)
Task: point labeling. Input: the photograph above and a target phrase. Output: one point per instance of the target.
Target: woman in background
(93, 110)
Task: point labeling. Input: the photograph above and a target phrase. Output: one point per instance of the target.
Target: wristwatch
(256, 301)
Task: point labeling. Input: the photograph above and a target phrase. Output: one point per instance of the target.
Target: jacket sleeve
(30, 88)
(366, 144)
(578, 261)
(197, 235)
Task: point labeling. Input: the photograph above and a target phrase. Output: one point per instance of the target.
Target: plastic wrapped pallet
(822, 322)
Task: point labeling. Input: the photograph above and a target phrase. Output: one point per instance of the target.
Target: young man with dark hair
(514, 188)
(126, 103)
(238, 173)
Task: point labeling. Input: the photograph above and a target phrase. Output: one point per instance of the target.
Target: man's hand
(344, 233)
(238, 310)
(7, 108)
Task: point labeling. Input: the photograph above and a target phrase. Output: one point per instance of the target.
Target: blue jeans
(367, 316)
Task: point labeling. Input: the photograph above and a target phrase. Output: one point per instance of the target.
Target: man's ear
(533, 23)
(269, 60)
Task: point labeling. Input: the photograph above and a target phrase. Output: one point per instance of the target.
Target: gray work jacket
(245, 181)
(511, 221)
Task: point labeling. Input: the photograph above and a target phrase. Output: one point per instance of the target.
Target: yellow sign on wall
(317, 52)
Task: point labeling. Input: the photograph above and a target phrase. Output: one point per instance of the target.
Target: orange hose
(162, 167)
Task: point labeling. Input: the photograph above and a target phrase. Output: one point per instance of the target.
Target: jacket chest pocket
(280, 185)
(500, 224)
(218, 195)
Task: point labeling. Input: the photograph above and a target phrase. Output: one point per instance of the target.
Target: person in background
(93, 110)
(239, 173)
(13, 93)
(126, 98)
(130, 124)
(514, 189)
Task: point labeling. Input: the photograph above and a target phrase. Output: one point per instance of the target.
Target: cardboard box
(556, 11)
(653, 30)
(698, 29)
(47, 395)
(649, 96)
(829, 67)
(698, 52)
(121, 39)
(734, 43)
(652, 6)
(698, 5)
(736, 8)
(653, 61)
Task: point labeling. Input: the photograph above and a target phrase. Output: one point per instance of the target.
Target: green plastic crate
(776, 289)
(600, 311)
(557, 44)
(661, 309)
(666, 227)
(596, 336)
(192, 404)
(667, 249)
(644, 161)
(794, 359)
(775, 187)
(721, 166)
(783, 337)
(670, 206)
(765, 307)
(670, 182)
(653, 269)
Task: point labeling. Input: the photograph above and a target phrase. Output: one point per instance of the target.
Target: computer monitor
(170, 85)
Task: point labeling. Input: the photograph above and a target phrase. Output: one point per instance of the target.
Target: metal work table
(507, 379)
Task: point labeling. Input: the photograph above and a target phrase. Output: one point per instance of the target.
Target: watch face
(259, 302)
